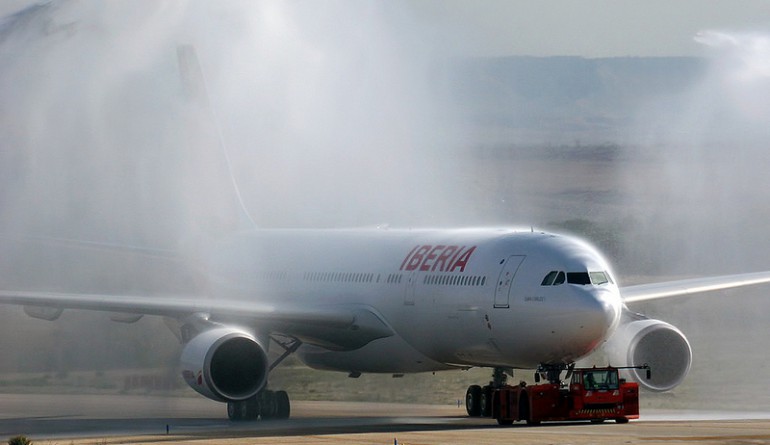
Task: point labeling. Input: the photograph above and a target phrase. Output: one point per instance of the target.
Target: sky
(592, 28)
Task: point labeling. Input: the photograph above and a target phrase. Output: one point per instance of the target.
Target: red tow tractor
(592, 394)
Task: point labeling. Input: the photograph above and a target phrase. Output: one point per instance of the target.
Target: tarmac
(109, 419)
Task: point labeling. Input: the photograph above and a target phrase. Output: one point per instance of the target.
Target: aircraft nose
(601, 309)
(593, 315)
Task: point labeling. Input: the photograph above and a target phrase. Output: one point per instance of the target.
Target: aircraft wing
(335, 327)
(645, 292)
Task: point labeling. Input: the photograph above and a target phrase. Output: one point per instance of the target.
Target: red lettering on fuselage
(426, 263)
(462, 261)
(407, 257)
(417, 257)
(438, 258)
(444, 258)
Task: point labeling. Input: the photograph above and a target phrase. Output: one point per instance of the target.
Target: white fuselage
(452, 297)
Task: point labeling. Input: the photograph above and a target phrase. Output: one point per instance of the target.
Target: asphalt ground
(108, 419)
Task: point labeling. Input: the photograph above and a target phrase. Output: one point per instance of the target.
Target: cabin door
(505, 281)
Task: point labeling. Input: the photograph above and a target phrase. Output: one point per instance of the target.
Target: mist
(696, 184)
(332, 114)
(703, 191)
(343, 114)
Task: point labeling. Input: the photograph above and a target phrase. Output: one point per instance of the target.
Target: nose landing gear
(478, 399)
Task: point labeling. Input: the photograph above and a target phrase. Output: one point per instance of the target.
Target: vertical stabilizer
(220, 207)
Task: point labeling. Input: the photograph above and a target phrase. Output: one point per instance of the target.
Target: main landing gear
(478, 399)
(266, 405)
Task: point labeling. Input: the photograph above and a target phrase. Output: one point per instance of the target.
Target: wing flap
(646, 292)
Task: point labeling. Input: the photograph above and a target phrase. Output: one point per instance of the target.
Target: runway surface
(89, 419)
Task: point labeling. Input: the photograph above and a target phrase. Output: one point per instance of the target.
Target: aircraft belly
(385, 355)
(519, 337)
(457, 334)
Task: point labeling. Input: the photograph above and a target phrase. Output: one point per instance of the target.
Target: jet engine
(640, 340)
(225, 364)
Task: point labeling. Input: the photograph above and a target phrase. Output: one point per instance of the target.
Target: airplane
(400, 301)
(375, 300)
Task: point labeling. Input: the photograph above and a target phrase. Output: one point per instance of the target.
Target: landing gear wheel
(267, 402)
(235, 411)
(266, 405)
(473, 400)
(485, 401)
(282, 405)
(524, 411)
(243, 410)
(251, 409)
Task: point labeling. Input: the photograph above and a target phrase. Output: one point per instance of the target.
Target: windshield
(555, 278)
(596, 278)
(599, 277)
(597, 380)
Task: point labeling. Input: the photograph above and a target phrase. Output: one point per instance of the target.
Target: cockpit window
(599, 278)
(548, 280)
(583, 278)
(578, 278)
(554, 278)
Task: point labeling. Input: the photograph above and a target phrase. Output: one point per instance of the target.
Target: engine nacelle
(225, 364)
(656, 343)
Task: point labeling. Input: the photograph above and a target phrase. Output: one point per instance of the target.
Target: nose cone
(610, 307)
(602, 311)
(593, 316)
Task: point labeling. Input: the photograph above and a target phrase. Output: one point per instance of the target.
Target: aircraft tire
(524, 411)
(267, 399)
(251, 408)
(485, 402)
(282, 405)
(235, 411)
(473, 400)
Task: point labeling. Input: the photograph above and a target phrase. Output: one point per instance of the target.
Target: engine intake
(225, 364)
(656, 343)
